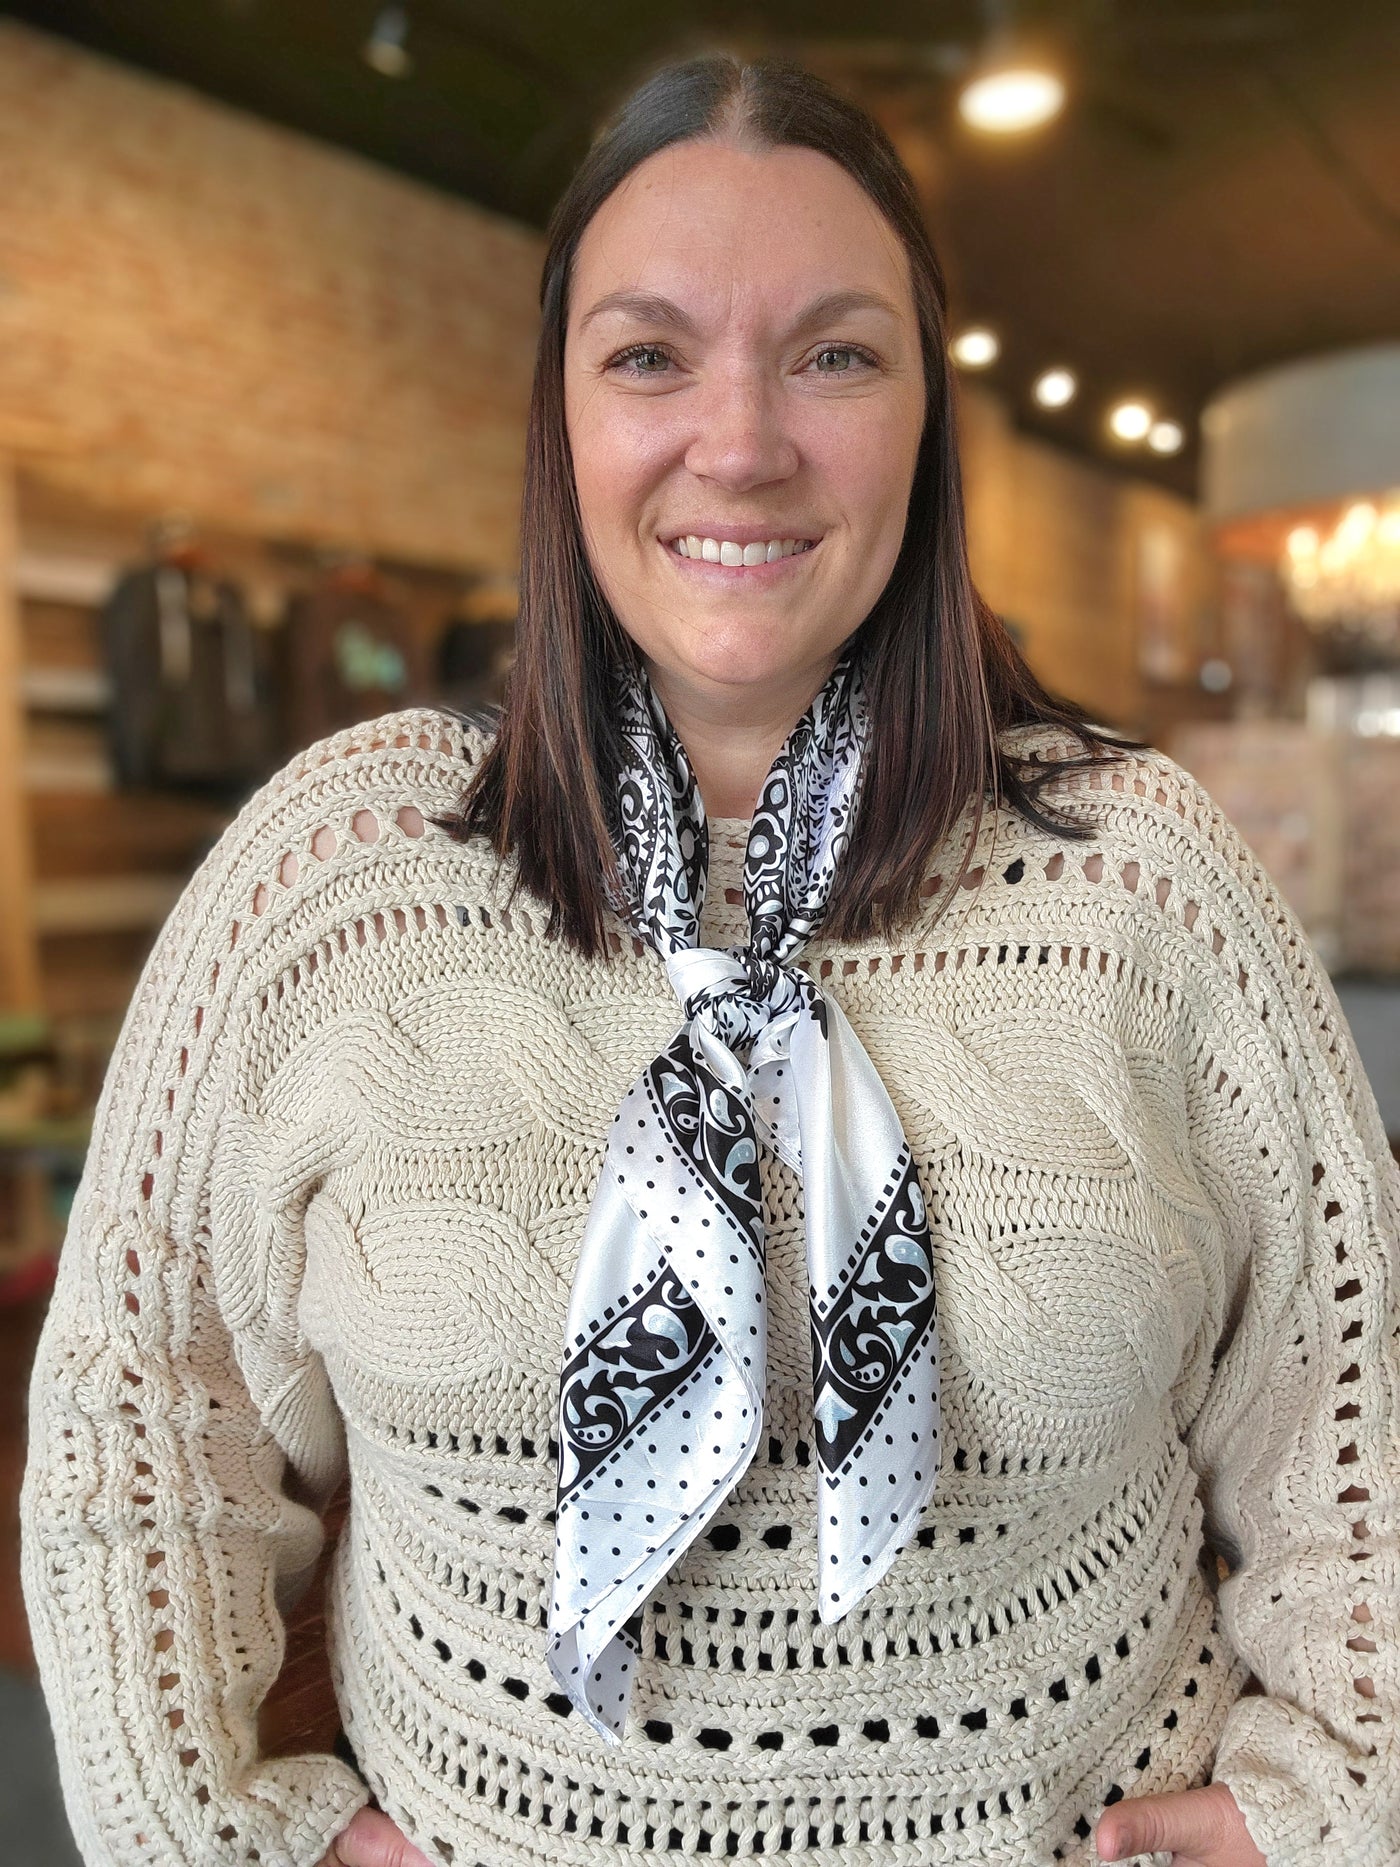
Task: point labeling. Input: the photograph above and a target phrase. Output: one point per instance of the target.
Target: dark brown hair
(942, 676)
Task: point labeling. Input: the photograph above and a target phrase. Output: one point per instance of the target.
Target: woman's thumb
(372, 1840)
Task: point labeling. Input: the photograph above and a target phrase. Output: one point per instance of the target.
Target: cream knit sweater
(341, 1168)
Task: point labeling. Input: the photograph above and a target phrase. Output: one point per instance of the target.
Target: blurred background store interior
(267, 313)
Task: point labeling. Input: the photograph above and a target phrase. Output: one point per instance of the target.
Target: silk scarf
(662, 1388)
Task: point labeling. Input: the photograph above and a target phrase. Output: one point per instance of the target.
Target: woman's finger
(372, 1840)
(1193, 1824)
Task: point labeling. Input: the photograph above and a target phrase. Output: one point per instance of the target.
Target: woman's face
(743, 381)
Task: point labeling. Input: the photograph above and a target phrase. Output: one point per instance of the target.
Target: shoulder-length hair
(942, 676)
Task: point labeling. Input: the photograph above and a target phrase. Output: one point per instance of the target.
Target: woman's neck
(732, 740)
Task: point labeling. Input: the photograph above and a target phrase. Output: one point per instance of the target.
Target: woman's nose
(740, 439)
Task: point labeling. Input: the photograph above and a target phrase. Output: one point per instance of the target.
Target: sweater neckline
(730, 829)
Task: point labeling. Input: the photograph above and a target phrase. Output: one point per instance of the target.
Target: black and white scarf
(661, 1396)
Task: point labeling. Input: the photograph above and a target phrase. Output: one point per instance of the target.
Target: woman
(1004, 1082)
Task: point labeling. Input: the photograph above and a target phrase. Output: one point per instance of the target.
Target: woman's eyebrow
(651, 308)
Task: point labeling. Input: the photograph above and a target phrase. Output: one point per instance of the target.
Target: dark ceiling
(1221, 193)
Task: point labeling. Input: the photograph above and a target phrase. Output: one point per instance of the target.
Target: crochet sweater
(329, 1220)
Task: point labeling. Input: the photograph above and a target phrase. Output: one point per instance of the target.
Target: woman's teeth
(725, 551)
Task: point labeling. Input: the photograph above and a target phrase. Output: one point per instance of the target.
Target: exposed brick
(202, 311)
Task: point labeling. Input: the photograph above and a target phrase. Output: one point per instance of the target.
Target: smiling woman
(825, 1206)
(744, 342)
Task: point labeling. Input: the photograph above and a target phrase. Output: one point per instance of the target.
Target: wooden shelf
(59, 1137)
(62, 577)
(64, 757)
(65, 690)
(104, 904)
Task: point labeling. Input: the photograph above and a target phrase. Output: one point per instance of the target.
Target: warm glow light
(1358, 522)
(1016, 98)
(1055, 387)
(974, 349)
(1349, 579)
(1166, 437)
(1131, 421)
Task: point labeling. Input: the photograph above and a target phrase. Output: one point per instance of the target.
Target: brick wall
(202, 311)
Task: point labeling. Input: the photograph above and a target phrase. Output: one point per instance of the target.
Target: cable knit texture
(342, 1164)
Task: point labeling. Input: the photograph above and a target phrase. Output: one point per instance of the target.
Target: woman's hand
(1200, 1827)
(372, 1840)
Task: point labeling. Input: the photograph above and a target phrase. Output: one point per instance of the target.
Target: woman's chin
(744, 664)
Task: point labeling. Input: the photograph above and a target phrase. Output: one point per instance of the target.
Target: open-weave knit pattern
(341, 1169)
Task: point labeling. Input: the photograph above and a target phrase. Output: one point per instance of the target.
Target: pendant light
(1010, 87)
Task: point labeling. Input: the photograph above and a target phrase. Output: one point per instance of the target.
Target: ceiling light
(1055, 387)
(1166, 437)
(1011, 98)
(1131, 421)
(974, 349)
(385, 50)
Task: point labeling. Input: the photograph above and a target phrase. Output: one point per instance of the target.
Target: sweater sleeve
(175, 1407)
(1297, 1437)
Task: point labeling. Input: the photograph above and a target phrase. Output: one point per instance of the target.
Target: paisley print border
(866, 1333)
(712, 1129)
(633, 1362)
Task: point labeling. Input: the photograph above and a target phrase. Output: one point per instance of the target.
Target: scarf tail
(661, 1398)
(874, 1314)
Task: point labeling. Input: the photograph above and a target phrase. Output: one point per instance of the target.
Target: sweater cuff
(1294, 1787)
(311, 1813)
(284, 1813)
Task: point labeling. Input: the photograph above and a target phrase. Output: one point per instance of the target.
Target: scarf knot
(737, 996)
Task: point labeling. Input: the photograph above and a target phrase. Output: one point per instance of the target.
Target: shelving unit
(101, 869)
(88, 872)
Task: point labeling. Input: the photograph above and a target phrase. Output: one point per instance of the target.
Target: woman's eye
(642, 360)
(840, 359)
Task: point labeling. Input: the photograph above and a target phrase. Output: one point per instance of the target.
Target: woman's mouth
(736, 555)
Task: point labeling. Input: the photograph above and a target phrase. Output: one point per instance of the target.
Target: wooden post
(19, 945)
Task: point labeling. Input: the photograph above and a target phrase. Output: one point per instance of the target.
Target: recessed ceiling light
(1130, 421)
(1055, 387)
(1166, 437)
(974, 349)
(386, 50)
(1014, 98)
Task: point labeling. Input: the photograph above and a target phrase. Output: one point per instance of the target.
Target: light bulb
(1012, 99)
(1166, 437)
(1055, 387)
(974, 349)
(1130, 421)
